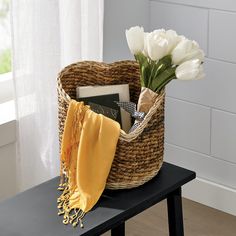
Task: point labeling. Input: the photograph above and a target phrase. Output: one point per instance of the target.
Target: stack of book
(102, 100)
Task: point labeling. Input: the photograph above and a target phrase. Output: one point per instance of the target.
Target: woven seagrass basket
(139, 154)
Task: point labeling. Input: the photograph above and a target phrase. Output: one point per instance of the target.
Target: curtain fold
(81, 30)
(47, 35)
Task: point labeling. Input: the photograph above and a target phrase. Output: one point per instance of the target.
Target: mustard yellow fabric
(87, 150)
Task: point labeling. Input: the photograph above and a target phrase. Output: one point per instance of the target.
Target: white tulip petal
(201, 74)
(173, 40)
(190, 70)
(158, 32)
(186, 50)
(145, 50)
(135, 39)
(157, 46)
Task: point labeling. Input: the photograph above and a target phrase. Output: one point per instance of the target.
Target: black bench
(34, 212)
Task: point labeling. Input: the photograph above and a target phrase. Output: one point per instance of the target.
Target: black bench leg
(118, 230)
(175, 214)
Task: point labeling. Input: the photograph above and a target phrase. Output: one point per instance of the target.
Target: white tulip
(135, 39)
(186, 50)
(159, 32)
(157, 45)
(173, 39)
(190, 70)
(145, 51)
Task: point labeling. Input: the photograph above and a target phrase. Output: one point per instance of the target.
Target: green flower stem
(144, 76)
(152, 66)
(143, 66)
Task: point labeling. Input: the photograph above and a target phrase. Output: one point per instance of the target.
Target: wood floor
(199, 220)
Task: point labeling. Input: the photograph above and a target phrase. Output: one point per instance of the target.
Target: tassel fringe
(71, 216)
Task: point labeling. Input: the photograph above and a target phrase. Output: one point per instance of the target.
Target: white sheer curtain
(47, 35)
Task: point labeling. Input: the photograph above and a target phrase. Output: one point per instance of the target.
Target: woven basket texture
(139, 155)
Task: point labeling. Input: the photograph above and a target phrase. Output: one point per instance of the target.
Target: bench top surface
(34, 212)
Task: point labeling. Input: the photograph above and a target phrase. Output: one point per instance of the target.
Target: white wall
(8, 182)
(118, 16)
(200, 115)
(8, 186)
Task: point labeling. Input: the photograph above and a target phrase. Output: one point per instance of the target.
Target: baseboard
(211, 194)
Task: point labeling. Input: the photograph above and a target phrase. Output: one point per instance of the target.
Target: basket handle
(62, 92)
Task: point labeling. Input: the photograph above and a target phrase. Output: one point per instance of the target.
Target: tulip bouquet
(164, 55)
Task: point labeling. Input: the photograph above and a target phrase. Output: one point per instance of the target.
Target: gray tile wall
(120, 15)
(200, 115)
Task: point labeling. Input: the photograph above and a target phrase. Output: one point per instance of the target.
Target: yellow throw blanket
(87, 151)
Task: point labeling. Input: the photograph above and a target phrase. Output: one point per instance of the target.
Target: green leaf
(144, 69)
(145, 74)
(140, 58)
(163, 64)
(155, 75)
(161, 79)
(158, 68)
